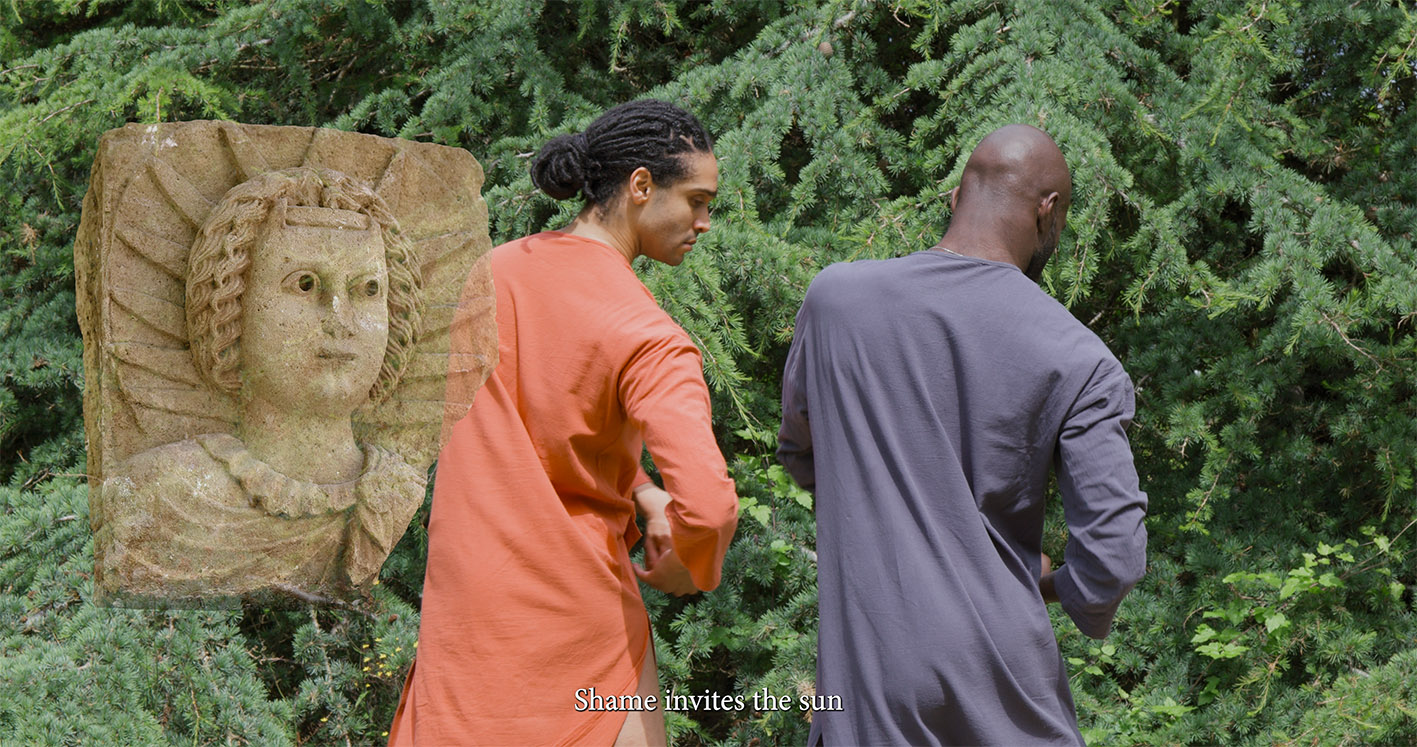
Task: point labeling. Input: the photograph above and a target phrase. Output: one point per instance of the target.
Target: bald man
(925, 400)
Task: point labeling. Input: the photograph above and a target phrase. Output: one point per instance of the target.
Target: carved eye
(302, 281)
(371, 288)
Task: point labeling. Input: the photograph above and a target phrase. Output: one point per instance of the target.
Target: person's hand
(1045, 581)
(652, 502)
(662, 569)
(667, 573)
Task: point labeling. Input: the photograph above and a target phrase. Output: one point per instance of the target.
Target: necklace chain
(947, 249)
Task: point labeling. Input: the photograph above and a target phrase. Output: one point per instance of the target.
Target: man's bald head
(1018, 163)
(1013, 199)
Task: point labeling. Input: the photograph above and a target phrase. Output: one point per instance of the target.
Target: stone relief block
(277, 322)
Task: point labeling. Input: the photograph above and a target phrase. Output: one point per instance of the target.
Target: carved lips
(336, 355)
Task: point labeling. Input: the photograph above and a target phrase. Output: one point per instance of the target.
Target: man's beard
(1040, 258)
(1043, 253)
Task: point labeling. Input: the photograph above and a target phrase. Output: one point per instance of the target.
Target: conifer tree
(1244, 172)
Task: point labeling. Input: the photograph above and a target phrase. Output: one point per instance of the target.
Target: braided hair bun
(649, 133)
(559, 169)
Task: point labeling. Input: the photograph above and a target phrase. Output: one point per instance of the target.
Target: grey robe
(924, 400)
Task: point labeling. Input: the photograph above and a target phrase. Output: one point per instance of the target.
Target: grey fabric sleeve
(794, 438)
(1102, 503)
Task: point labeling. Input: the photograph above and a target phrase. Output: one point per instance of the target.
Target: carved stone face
(315, 318)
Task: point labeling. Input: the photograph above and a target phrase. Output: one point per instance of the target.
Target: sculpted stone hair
(649, 133)
(221, 255)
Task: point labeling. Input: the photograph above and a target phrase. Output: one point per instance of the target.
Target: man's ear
(641, 184)
(1046, 208)
(954, 198)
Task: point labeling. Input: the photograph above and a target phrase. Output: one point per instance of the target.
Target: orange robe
(530, 594)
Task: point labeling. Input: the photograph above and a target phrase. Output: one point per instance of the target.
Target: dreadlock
(649, 133)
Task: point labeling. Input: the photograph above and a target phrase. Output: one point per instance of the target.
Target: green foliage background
(1242, 236)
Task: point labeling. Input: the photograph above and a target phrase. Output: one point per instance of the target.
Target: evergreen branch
(56, 113)
(1350, 342)
(310, 597)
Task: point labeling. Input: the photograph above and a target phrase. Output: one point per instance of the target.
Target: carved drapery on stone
(358, 257)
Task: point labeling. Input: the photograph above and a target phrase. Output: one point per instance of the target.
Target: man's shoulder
(577, 281)
(1059, 323)
(853, 280)
(551, 254)
(838, 272)
(878, 266)
(976, 297)
(1024, 304)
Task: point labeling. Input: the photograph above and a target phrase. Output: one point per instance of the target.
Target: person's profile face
(315, 318)
(676, 215)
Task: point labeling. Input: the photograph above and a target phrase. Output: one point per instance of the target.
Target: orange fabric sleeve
(664, 395)
(632, 530)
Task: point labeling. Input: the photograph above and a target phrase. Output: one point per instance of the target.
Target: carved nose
(339, 318)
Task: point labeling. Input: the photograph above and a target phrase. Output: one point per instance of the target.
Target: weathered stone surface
(267, 315)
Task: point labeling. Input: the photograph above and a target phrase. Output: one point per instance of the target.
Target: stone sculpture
(267, 315)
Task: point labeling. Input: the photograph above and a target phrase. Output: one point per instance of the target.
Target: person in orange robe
(533, 630)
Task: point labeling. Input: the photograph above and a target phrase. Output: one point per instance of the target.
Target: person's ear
(641, 184)
(1046, 209)
(954, 198)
